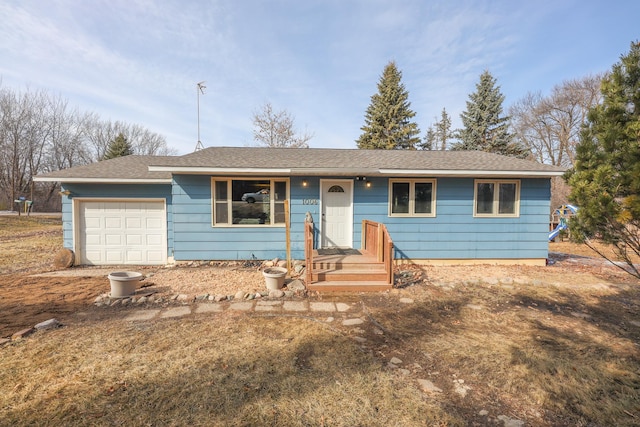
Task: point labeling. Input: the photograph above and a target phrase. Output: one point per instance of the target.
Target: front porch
(369, 269)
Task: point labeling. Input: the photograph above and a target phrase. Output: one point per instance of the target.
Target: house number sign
(309, 201)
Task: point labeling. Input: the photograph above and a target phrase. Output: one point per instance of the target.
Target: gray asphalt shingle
(301, 161)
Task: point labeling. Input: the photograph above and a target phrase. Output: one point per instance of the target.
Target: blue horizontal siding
(196, 238)
(454, 233)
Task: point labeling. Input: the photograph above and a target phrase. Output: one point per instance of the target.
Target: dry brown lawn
(549, 346)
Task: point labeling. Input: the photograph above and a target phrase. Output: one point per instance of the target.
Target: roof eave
(202, 170)
(103, 180)
(471, 173)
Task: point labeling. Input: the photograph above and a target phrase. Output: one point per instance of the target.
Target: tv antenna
(200, 87)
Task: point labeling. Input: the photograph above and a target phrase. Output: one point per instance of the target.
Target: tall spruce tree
(605, 179)
(388, 124)
(484, 126)
(438, 134)
(119, 147)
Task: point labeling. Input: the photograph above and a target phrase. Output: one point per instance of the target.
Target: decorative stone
(352, 322)
(483, 413)
(296, 285)
(276, 293)
(239, 295)
(48, 324)
(22, 334)
(182, 298)
(342, 307)
(396, 361)
(510, 422)
(64, 258)
(428, 387)
(115, 302)
(289, 294)
(142, 300)
(406, 300)
(298, 268)
(4, 341)
(219, 298)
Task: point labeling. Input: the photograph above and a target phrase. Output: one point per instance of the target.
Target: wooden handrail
(308, 251)
(376, 241)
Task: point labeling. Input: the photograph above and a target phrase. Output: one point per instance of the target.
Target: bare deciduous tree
(550, 126)
(40, 133)
(99, 134)
(276, 129)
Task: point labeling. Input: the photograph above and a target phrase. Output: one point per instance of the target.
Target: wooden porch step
(348, 266)
(334, 286)
(349, 275)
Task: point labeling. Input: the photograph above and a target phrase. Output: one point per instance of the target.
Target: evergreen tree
(388, 122)
(485, 128)
(430, 141)
(439, 134)
(605, 179)
(119, 147)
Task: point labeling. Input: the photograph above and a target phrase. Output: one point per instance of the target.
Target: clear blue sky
(139, 60)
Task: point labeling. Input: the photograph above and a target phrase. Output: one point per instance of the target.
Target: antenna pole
(200, 87)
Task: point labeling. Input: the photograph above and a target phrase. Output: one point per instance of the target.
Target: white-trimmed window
(496, 198)
(248, 201)
(412, 197)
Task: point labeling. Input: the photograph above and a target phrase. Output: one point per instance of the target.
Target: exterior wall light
(368, 184)
(305, 183)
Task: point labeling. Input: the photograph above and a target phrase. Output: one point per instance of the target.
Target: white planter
(124, 283)
(274, 277)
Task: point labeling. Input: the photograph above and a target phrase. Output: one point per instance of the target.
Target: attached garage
(119, 232)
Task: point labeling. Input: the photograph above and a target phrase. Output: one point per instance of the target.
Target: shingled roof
(120, 169)
(310, 161)
(304, 161)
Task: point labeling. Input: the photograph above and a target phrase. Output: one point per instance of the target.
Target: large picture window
(497, 198)
(412, 197)
(251, 202)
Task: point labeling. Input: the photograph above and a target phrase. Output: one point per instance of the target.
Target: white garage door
(122, 232)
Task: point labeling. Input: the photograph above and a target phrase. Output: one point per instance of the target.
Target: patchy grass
(28, 242)
(208, 371)
(550, 346)
(544, 354)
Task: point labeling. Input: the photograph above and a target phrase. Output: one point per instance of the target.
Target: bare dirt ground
(32, 291)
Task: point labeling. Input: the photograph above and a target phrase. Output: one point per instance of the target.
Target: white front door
(337, 213)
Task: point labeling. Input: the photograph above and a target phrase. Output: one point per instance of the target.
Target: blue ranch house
(337, 209)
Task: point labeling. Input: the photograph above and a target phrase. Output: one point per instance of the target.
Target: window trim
(229, 201)
(412, 196)
(496, 198)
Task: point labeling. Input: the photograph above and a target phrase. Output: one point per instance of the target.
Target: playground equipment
(561, 217)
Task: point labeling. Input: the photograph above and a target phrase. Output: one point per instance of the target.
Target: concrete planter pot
(124, 283)
(274, 277)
